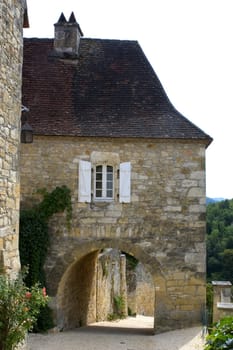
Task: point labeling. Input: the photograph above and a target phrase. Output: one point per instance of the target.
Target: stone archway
(179, 291)
(76, 293)
(75, 288)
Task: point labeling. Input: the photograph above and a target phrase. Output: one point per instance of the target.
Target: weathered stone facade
(163, 226)
(140, 291)
(11, 27)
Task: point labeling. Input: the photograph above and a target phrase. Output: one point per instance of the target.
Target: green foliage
(33, 244)
(221, 336)
(57, 201)
(119, 306)
(19, 307)
(220, 240)
(227, 262)
(112, 317)
(119, 309)
(209, 303)
(34, 237)
(131, 313)
(132, 262)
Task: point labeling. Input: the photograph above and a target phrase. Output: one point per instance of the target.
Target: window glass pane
(99, 169)
(98, 193)
(98, 181)
(99, 185)
(109, 177)
(109, 185)
(109, 182)
(109, 193)
(99, 177)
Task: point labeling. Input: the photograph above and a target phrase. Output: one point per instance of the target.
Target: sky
(189, 44)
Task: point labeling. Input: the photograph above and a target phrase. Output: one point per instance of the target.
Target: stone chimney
(67, 37)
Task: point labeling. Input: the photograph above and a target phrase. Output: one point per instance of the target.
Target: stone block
(195, 192)
(190, 290)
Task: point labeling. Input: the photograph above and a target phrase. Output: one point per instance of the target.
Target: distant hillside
(214, 200)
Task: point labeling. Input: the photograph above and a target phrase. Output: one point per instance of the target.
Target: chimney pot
(67, 37)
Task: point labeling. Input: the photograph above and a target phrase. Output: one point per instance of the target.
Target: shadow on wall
(76, 296)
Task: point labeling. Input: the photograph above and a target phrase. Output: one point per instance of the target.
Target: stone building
(13, 16)
(135, 166)
(222, 300)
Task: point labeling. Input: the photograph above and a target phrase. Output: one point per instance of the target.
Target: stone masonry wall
(111, 281)
(145, 292)
(163, 226)
(76, 305)
(140, 290)
(11, 24)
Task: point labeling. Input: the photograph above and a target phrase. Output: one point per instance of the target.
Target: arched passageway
(70, 271)
(91, 284)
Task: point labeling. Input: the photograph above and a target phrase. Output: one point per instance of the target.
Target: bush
(19, 307)
(221, 336)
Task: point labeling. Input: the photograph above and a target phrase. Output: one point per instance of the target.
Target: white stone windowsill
(225, 305)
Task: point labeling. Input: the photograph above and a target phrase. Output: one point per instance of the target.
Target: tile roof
(110, 91)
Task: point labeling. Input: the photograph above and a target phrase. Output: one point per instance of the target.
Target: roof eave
(206, 141)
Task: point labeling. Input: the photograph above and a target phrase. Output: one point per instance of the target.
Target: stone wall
(11, 26)
(140, 290)
(163, 226)
(76, 305)
(111, 283)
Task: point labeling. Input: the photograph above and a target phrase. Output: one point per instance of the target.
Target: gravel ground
(130, 334)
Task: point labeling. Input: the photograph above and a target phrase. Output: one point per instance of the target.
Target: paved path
(129, 334)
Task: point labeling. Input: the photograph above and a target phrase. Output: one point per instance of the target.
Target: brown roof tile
(110, 91)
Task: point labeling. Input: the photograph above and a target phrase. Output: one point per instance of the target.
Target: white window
(102, 183)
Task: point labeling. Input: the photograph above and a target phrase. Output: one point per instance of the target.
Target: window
(103, 180)
(101, 184)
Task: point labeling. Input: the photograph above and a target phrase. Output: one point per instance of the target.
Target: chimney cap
(72, 18)
(72, 21)
(61, 19)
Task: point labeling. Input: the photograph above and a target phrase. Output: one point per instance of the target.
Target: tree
(220, 240)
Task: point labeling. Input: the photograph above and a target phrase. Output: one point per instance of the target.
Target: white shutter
(84, 190)
(125, 182)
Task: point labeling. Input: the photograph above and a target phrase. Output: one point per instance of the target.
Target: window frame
(104, 188)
